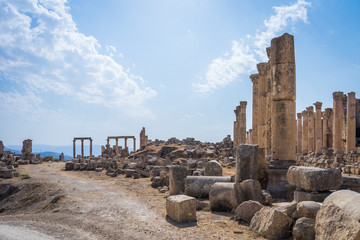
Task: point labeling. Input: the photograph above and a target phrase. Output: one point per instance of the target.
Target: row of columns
(334, 128)
(82, 145)
(121, 137)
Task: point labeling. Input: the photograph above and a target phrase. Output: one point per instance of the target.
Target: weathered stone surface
(69, 166)
(287, 207)
(314, 179)
(177, 179)
(306, 209)
(348, 201)
(247, 210)
(282, 49)
(304, 229)
(199, 186)
(271, 223)
(252, 190)
(181, 208)
(246, 162)
(300, 196)
(268, 199)
(213, 168)
(225, 196)
(334, 223)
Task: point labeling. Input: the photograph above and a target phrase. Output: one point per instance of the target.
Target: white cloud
(243, 57)
(42, 49)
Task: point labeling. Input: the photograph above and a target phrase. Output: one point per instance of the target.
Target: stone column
(134, 145)
(268, 108)
(237, 127)
(283, 121)
(262, 88)
(327, 128)
(255, 100)
(337, 122)
(299, 132)
(117, 142)
(351, 123)
(125, 142)
(91, 147)
(318, 129)
(82, 148)
(74, 148)
(177, 175)
(108, 141)
(242, 123)
(250, 136)
(305, 133)
(311, 129)
(246, 162)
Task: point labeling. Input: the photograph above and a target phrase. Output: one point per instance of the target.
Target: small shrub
(24, 176)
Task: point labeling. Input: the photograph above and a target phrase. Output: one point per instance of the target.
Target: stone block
(246, 162)
(252, 190)
(199, 186)
(213, 168)
(282, 49)
(177, 179)
(247, 210)
(181, 208)
(307, 209)
(304, 229)
(271, 223)
(314, 179)
(284, 82)
(286, 207)
(225, 196)
(69, 166)
(348, 201)
(300, 196)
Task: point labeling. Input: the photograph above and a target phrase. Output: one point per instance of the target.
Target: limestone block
(247, 210)
(300, 196)
(283, 127)
(348, 201)
(213, 168)
(225, 196)
(181, 208)
(332, 222)
(286, 207)
(252, 190)
(284, 82)
(304, 229)
(246, 162)
(282, 49)
(271, 223)
(306, 209)
(199, 186)
(77, 166)
(69, 166)
(177, 179)
(314, 179)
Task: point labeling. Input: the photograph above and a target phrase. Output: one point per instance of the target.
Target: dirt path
(90, 205)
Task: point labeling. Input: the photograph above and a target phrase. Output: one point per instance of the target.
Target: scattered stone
(252, 190)
(287, 207)
(199, 186)
(246, 162)
(177, 179)
(181, 208)
(306, 209)
(247, 210)
(225, 196)
(304, 229)
(213, 168)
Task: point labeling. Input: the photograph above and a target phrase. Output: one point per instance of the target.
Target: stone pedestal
(246, 162)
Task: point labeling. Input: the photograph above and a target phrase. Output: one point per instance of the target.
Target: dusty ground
(54, 204)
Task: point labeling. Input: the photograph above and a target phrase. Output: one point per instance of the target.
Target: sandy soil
(56, 204)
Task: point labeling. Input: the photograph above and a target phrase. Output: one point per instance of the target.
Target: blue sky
(179, 68)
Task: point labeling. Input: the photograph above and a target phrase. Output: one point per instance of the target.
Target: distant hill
(54, 155)
(12, 150)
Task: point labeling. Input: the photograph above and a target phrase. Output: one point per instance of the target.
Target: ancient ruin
(143, 139)
(82, 145)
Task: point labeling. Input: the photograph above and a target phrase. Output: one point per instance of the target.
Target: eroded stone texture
(304, 229)
(318, 128)
(314, 179)
(327, 128)
(351, 123)
(271, 223)
(225, 196)
(143, 138)
(177, 179)
(337, 122)
(237, 127)
(306, 209)
(199, 186)
(262, 68)
(247, 210)
(246, 162)
(242, 123)
(27, 146)
(181, 208)
(339, 216)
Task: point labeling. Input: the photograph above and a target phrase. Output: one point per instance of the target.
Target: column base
(277, 183)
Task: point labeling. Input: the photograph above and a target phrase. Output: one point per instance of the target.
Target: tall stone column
(268, 149)
(305, 133)
(125, 142)
(311, 129)
(82, 148)
(337, 122)
(255, 107)
(327, 128)
(262, 69)
(134, 144)
(237, 127)
(242, 123)
(117, 142)
(351, 123)
(108, 141)
(299, 132)
(74, 148)
(283, 121)
(91, 147)
(318, 129)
